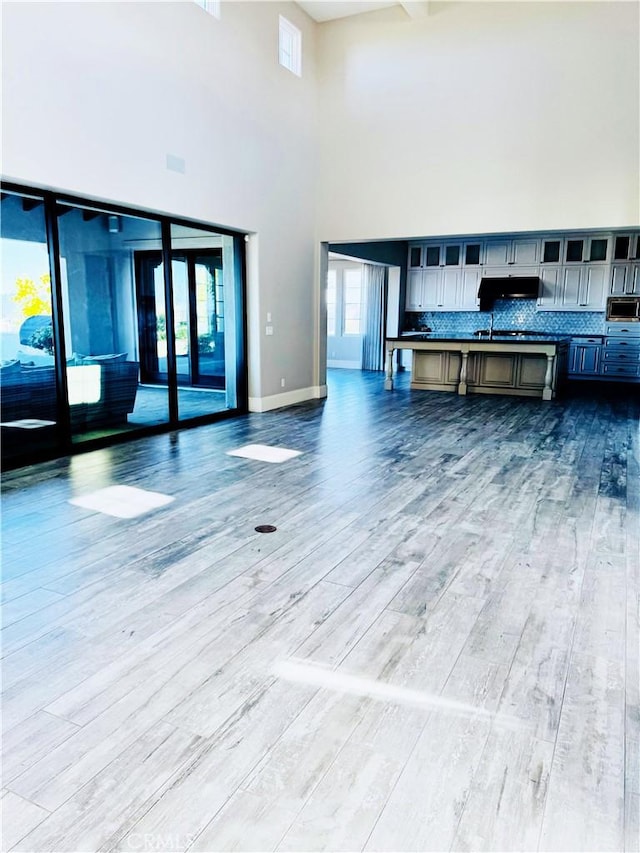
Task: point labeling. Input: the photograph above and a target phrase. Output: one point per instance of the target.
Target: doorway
(198, 305)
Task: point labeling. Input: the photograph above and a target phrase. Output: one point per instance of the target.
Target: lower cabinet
(584, 357)
(507, 373)
(621, 352)
(616, 356)
(487, 372)
(439, 368)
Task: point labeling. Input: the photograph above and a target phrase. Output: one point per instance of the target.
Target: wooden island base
(520, 368)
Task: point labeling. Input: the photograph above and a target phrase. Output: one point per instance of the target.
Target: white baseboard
(289, 398)
(348, 365)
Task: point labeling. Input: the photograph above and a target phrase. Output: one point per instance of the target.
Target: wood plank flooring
(438, 649)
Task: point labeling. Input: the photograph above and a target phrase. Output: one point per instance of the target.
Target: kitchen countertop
(469, 337)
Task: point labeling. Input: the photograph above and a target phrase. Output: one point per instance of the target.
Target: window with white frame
(345, 300)
(210, 6)
(352, 301)
(331, 302)
(290, 46)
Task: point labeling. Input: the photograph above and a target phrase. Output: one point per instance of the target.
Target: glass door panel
(209, 317)
(181, 318)
(29, 412)
(206, 302)
(110, 305)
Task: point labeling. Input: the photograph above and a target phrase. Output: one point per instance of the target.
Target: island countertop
(472, 338)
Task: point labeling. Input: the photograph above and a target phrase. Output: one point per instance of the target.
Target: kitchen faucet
(491, 325)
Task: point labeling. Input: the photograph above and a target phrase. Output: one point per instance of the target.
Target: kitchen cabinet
(625, 280)
(573, 288)
(448, 289)
(435, 254)
(584, 356)
(468, 291)
(550, 278)
(626, 247)
(551, 251)
(436, 368)
(582, 289)
(582, 250)
(472, 253)
(621, 352)
(415, 256)
(510, 252)
(415, 290)
(433, 289)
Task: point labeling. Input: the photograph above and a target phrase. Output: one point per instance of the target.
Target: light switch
(269, 318)
(269, 330)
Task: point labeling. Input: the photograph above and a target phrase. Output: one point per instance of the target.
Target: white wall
(480, 117)
(97, 94)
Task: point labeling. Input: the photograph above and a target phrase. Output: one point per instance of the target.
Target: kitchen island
(521, 364)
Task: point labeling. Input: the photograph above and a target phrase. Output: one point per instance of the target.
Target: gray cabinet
(415, 290)
(625, 279)
(584, 357)
(511, 252)
(583, 288)
(621, 352)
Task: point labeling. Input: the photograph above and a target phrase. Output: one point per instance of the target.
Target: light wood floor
(438, 648)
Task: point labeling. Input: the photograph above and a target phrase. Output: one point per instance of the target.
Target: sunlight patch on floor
(264, 453)
(122, 501)
(317, 675)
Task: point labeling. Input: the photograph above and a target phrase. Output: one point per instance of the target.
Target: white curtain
(375, 282)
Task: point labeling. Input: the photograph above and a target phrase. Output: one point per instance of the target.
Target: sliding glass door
(113, 322)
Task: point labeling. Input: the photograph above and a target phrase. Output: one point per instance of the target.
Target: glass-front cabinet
(625, 269)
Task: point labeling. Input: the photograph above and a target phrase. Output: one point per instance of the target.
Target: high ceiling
(328, 10)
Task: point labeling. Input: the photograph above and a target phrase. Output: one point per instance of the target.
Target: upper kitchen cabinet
(521, 251)
(436, 280)
(415, 256)
(586, 250)
(573, 288)
(415, 290)
(626, 247)
(625, 269)
(431, 255)
(625, 280)
(582, 289)
(472, 254)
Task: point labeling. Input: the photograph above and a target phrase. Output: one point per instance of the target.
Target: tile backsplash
(510, 314)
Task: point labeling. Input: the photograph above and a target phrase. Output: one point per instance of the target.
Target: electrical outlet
(282, 382)
(269, 330)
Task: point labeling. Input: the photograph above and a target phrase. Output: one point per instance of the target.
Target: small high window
(210, 6)
(290, 47)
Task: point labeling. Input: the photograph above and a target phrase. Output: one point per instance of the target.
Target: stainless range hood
(511, 287)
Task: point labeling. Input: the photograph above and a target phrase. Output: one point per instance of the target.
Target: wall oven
(624, 308)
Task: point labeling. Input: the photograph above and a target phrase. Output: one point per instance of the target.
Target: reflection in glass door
(182, 320)
(209, 315)
(27, 350)
(198, 319)
(152, 318)
(198, 295)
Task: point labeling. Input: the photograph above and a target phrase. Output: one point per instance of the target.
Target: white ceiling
(327, 10)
